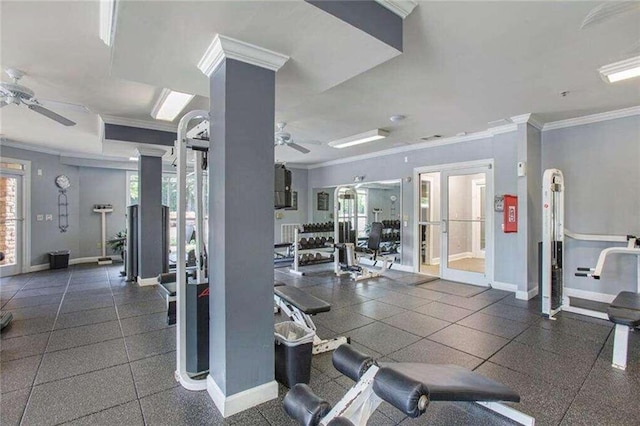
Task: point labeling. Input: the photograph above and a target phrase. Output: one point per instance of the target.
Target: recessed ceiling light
(107, 21)
(397, 118)
(622, 70)
(133, 158)
(370, 136)
(170, 104)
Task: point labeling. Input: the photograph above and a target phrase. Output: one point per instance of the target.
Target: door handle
(444, 227)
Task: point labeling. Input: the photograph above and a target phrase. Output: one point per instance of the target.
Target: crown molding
(527, 118)
(150, 152)
(402, 8)
(59, 153)
(419, 146)
(141, 124)
(593, 118)
(223, 47)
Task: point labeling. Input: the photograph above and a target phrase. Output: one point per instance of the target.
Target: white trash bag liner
(290, 333)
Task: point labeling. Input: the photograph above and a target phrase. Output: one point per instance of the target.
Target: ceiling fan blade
(66, 105)
(309, 142)
(297, 147)
(50, 114)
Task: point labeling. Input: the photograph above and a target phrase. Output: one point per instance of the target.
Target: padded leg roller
(351, 362)
(340, 421)
(406, 394)
(306, 407)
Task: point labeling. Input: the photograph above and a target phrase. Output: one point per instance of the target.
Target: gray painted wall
(502, 148)
(89, 185)
(100, 186)
(368, 16)
(299, 183)
(600, 166)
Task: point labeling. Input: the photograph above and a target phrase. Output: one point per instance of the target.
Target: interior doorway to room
(455, 227)
(13, 227)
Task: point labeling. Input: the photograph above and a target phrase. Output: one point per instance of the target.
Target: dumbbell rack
(298, 251)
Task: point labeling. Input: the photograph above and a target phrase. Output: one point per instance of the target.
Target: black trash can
(59, 259)
(294, 350)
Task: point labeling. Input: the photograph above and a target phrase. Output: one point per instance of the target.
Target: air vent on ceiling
(431, 138)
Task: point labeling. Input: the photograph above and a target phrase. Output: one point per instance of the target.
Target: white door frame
(476, 231)
(488, 162)
(431, 181)
(25, 243)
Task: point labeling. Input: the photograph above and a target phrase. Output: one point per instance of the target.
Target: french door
(455, 223)
(11, 223)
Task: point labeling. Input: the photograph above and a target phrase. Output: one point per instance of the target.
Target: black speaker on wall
(282, 187)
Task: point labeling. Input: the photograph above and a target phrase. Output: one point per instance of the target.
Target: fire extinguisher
(510, 213)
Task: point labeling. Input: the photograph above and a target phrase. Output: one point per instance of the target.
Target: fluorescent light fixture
(629, 68)
(107, 21)
(372, 135)
(170, 104)
(133, 158)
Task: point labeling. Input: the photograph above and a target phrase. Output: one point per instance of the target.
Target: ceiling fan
(15, 93)
(282, 138)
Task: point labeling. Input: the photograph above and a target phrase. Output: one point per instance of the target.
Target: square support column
(150, 241)
(241, 203)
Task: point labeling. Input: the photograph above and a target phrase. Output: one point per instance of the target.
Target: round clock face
(63, 182)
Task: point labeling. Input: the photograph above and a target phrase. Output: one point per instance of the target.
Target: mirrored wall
(377, 202)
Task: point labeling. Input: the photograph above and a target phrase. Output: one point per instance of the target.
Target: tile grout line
(604, 344)
(24, 411)
(126, 349)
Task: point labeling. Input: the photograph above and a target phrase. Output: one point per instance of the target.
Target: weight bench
(299, 306)
(409, 387)
(624, 312)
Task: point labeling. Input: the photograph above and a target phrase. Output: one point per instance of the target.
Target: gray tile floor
(86, 348)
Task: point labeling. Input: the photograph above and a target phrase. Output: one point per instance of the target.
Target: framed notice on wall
(294, 201)
(323, 201)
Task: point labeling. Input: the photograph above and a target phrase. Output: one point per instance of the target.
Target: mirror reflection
(377, 202)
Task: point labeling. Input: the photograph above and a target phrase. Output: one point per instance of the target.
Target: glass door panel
(11, 224)
(429, 224)
(464, 225)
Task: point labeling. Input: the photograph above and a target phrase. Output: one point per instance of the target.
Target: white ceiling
(464, 64)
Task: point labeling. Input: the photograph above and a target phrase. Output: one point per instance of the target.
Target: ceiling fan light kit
(170, 104)
(622, 70)
(370, 136)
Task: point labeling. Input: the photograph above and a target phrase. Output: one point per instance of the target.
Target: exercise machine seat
(307, 303)
(453, 383)
(625, 309)
(375, 236)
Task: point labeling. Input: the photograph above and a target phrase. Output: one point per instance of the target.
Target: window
(170, 199)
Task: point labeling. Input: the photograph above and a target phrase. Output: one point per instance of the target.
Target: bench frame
(359, 403)
(299, 317)
(620, 346)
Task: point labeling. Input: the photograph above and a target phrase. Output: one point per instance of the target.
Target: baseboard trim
(527, 295)
(590, 295)
(144, 282)
(76, 261)
(504, 286)
(233, 404)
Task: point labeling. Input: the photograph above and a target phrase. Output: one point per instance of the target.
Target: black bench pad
(307, 303)
(454, 383)
(625, 309)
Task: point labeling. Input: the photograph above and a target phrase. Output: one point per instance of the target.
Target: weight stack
(197, 328)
